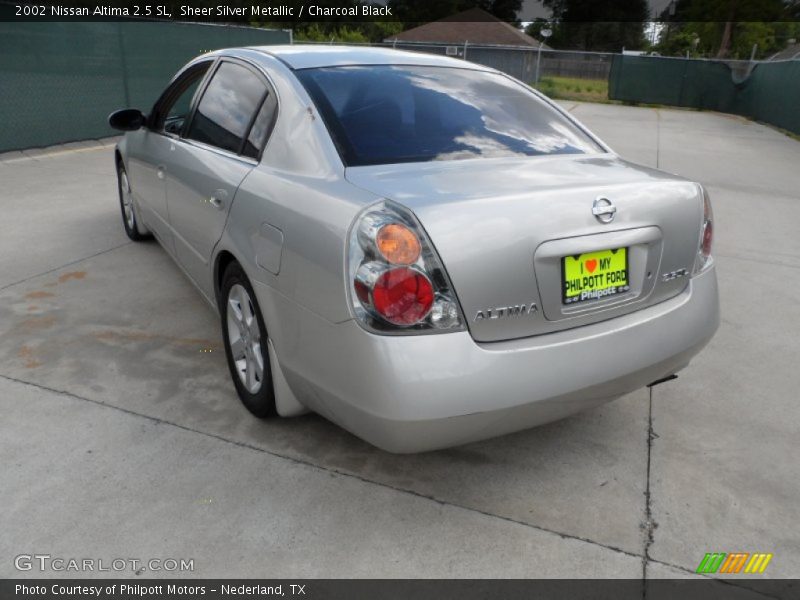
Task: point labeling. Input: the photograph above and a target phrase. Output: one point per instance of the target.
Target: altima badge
(604, 209)
(501, 312)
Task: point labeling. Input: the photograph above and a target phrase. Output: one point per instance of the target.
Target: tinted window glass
(261, 126)
(227, 106)
(182, 95)
(388, 114)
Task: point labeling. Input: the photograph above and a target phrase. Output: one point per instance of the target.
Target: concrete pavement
(126, 437)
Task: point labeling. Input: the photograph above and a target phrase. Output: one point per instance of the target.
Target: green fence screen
(59, 81)
(770, 93)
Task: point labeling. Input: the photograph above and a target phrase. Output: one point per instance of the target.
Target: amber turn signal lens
(398, 244)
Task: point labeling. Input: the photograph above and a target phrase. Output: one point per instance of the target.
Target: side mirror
(127, 119)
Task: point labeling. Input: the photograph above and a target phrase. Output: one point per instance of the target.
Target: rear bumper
(417, 393)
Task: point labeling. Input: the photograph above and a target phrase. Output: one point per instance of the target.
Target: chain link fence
(60, 81)
(520, 61)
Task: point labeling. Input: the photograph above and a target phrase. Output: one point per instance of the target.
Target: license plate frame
(581, 286)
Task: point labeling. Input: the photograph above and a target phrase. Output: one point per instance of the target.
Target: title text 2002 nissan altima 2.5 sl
(421, 249)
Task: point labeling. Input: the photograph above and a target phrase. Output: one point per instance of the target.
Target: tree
(349, 33)
(703, 39)
(599, 26)
(315, 33)
(535, 27)
(724, 28)
(505, 10)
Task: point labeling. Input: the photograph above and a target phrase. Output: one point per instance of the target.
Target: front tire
(129, 219)
(245, 338)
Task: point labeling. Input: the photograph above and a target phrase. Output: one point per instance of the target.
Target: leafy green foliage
(729, 28)
(705, 39)
(315, 33)
(727, 10)
(348, 33)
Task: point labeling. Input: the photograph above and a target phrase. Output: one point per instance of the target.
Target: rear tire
(245, 338)
(129, 219)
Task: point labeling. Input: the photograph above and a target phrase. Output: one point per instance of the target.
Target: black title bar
(389, 589)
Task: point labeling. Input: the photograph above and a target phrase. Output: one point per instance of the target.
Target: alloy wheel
(244, 337)
(127, 201)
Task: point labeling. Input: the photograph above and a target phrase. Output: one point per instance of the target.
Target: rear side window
(227, 107)
(262, 125)
(389, 114)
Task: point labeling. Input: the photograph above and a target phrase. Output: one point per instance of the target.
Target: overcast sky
(532, 9)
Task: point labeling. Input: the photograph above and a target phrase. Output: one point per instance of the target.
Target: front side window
(174, 110)
(389, 114)
(227, 107)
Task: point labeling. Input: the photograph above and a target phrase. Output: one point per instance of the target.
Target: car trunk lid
(502, 227)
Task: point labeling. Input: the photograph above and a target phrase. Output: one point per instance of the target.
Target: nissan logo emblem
(604, 209)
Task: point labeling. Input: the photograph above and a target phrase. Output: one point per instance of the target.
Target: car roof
(308, 56)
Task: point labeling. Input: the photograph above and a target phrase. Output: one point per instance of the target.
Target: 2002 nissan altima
(421, 249)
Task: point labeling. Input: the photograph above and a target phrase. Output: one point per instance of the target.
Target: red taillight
(708, 234)
(708, 227)
(402, 296)
(398, 283)
(362, 292)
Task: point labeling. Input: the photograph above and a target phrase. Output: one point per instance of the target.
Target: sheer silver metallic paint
(419, 393)
(493, 222)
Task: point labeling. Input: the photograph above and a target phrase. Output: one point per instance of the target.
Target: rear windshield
(391, 114)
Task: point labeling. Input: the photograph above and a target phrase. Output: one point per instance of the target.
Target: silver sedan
(421, 249)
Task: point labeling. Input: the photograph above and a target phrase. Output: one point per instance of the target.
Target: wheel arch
(118, 158)
(223, 260)
(286, 403)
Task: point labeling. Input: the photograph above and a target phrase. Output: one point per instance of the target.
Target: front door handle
(161, 171)
(217, 199)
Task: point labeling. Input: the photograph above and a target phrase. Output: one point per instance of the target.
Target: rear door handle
(161, 171)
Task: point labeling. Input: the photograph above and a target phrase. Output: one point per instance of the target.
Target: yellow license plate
(594, 275)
